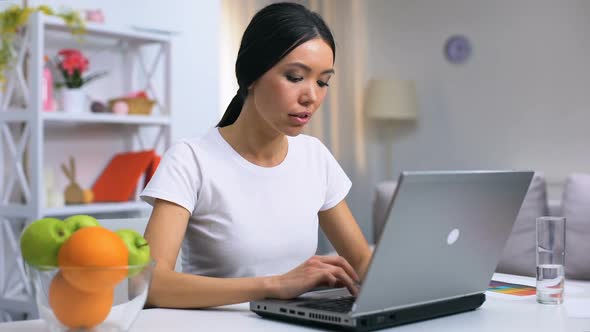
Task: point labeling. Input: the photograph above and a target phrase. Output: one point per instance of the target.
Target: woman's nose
(308, 96)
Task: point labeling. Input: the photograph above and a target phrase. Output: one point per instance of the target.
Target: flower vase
(73, 100)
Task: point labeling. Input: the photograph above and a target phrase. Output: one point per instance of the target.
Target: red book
(118, 182)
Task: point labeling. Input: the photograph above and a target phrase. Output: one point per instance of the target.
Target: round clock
(457, 49)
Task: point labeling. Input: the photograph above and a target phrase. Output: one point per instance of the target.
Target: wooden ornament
(73, 193)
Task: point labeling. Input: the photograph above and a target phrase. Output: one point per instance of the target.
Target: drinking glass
(550, 259)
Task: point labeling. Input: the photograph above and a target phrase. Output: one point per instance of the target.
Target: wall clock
(457, 49)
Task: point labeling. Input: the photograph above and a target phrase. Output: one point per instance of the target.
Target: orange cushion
(118, 182)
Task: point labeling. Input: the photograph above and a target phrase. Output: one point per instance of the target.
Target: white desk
(496, 314)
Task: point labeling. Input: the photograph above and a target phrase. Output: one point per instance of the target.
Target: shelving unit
(56, 118)
(23, 129)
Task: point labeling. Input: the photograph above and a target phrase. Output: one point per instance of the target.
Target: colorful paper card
(511, 289)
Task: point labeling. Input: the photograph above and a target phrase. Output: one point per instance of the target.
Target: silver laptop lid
(443, 237)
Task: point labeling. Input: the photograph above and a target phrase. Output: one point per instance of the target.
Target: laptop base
(392, 318)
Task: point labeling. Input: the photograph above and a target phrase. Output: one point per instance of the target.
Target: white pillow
(576, 209)
(519, 253)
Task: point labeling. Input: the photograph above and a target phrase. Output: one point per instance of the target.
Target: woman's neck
(254, 140)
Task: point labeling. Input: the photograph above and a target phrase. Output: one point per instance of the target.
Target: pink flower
(73, 62)
(65, 52)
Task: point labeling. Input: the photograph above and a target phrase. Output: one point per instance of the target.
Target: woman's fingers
(342, 278)
(332, 271)
(329, 279)
(341, 262)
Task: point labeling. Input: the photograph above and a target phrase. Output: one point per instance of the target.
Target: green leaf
(15, 17)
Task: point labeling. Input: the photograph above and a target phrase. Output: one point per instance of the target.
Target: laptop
(443, 237)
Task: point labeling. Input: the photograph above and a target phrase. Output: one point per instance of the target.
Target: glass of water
(550, 259)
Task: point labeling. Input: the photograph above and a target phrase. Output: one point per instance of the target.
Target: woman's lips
(300, 118)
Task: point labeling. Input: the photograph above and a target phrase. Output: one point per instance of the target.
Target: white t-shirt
(247, 220)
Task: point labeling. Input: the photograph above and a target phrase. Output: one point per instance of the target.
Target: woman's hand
(332, 271)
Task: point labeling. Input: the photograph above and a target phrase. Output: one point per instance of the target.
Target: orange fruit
(93, 258)
(78, 309)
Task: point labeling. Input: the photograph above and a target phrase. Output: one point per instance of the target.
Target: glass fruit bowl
(97, 299)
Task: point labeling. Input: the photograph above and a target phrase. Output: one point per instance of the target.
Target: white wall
(521, 101)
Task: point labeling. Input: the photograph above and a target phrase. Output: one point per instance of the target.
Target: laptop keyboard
(343, 304)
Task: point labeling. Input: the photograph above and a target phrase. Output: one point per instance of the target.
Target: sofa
(519, 252)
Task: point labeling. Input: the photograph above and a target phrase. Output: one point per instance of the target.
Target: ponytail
(233, 110)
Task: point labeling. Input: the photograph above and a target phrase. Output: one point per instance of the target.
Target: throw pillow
(518, 256)
(576, 209)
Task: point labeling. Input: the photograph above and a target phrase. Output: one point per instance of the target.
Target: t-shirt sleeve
(177, 178)
(337, 182)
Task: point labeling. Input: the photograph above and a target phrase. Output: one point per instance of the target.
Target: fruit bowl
(96, 299)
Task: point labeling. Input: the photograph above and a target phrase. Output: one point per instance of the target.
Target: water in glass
(550, 278)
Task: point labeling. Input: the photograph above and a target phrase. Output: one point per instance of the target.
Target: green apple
(139, 249)
(78, 221)
(41, 240)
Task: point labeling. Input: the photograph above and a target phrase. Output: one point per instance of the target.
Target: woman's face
(287, 96)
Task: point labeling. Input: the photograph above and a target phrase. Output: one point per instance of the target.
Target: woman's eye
(294, 79)
(323, 84)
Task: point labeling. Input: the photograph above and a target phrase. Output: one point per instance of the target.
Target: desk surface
(498, 313)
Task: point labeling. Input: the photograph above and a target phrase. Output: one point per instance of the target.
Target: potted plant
(12, 21)
(72, 64)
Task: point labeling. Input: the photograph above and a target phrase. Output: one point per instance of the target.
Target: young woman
(245, 200)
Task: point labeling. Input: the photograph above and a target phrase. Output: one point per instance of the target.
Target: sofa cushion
(518, 256)
(576, 209)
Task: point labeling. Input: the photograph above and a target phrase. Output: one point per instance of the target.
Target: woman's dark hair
(273, 32)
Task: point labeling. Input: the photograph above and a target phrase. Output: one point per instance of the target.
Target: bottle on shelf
(47, 89)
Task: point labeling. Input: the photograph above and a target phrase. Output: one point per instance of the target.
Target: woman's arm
(164, 233)
(345, 235)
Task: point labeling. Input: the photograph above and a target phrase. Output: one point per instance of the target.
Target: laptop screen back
(443, 237)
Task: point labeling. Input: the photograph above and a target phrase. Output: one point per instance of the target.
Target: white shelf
(17, 210)
(18, 304)
(69, 210)
(99, 30)
(27, 142)
(93, 118)
(14, 114)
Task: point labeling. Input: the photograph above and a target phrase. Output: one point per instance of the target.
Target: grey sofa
(519, 253)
